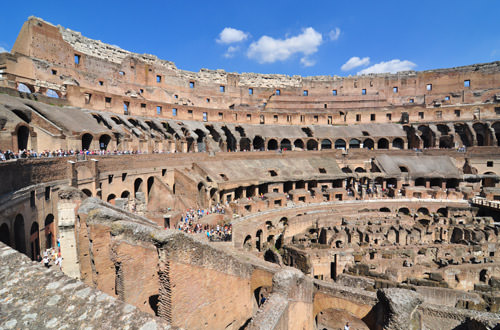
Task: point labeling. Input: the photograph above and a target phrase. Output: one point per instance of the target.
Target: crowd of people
(10, 155)
(190, 223)
(52, 256)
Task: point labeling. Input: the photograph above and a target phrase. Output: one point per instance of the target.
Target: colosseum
(137, 195)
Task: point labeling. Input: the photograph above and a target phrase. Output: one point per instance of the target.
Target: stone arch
(496, 129)
(125, 194)
(25, 88)
(427, 136)
(151, 181)
(49, 231)
(326, 144)
(111, 199)
(354, 144)
(247, 243)
(398, 143)
(443, 211)
(259, 243)
(312, 145)
(340, 144)
(34, 240)
(272, 144)
(463, 130)
(137, 186)
(245, 144)
(423, 210)
(298, 143)
(87, 141)
(52, 93)
(420, 182)
(271, 256)
(23, 135)
(404, 210)
(104, 141)
(5, 234)
(87, 192)
(368, 144)
(382, 143)
(483, 134)
(285, 144)
(385, 209)
(258, 143)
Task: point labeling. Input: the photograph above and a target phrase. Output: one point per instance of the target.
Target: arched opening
(427, 136)
(125, 194)
(299, 144)
(52, 93)
(368, 144)
(483, 134)
(496, 128)
(420, 182)
(272, 144)
(111, 199)
(285, 144)
(326, 144)
(354, 144)
(423, 211)
(23, 88)
(404, 210)
(86, 141)
(270, 256)
(443, 212)
(4, 234)
(258, 143)
(258, 240)
(436, 182)
(312, 145)
(137, 186)
(247, 243)
(398, 143)
(383, 144)
(340, 144)
(104, 141)
(87, 192)
(359, 170)
(465, 134)
(346, 169)
(151, 180)
(489, 181)
(153, 303)
(385, 209)
(244, 144)
(23, 134)
(49, 231)
(34, 241)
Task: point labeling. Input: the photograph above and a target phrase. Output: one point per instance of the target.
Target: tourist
(346, 326)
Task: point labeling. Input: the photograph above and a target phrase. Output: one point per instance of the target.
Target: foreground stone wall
(55, 300)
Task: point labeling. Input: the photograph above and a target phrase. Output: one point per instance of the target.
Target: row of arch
(258, 143)
(27, 88)
(17, 238)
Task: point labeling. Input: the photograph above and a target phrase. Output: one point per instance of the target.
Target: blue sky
(287, 37)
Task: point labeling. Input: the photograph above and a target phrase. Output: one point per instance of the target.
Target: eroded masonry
(216, 200)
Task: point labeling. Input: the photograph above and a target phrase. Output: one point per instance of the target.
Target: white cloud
(270, 50)
(230, 35)
(3, 50)
(334, 34)
(392, 66)
(354, 62)
(231, 50)
(307, 61)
